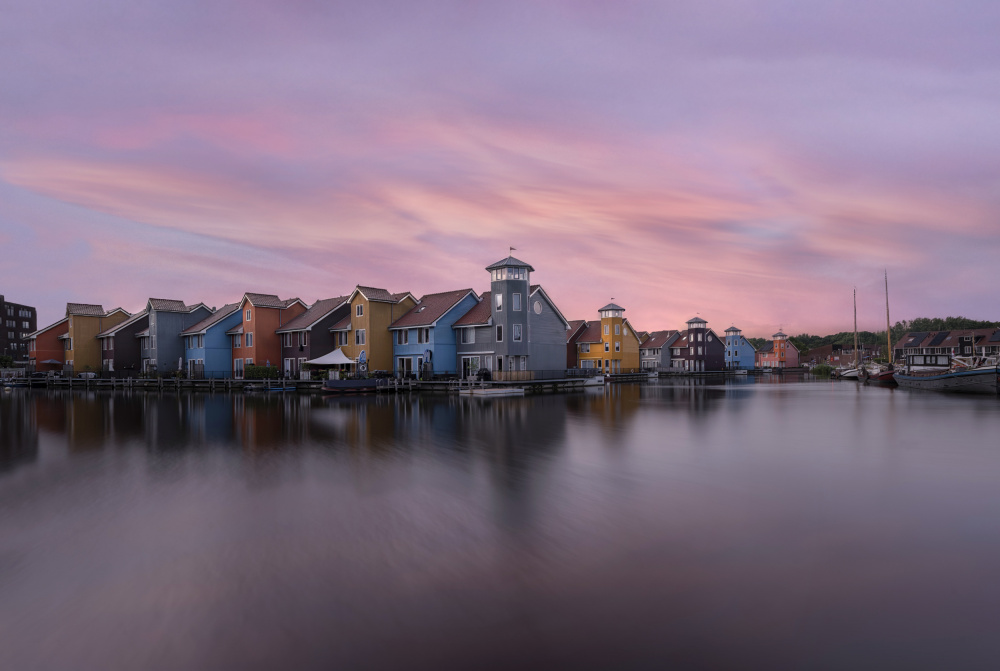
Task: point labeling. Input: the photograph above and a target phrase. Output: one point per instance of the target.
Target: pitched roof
(168, 305)
(212, 319)
(923, 339)
(236, 330)
(144, 332)
(431, 307)
(659, 338)
(46, 328)
(509, 262)
(611, 306)
(315, 313)
(534, 288)
(576, 327)
(480, 314)
(679, 339)
(403, 294)
(766, 348)
(131, 320)
(343, 325)
(84, 309)
(592, 334)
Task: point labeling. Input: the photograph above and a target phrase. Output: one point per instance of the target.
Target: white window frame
(516, 302)
(359, 336)
(618, 346)
(499, 332)
(516, 332)
(247, 315)
(359, 310)
(499, 302)
(618, 329)
(607, 347)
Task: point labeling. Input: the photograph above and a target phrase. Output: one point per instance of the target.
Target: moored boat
(877, 374)
(969, 375)
(362, 386)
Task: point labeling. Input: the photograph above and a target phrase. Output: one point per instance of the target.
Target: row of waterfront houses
(514, 326)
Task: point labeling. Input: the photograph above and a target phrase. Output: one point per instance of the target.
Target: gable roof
(128, 322)
(43, 330)
(510, 262)
(659, 339)
(377, 295)
(315, 314)
(766, 348)
(431, 308)
(167, 305)
(576, 327)
(590, 335)
(212, 319)
(84, 309)
(269, 301)
(236, 330)
(479, 315)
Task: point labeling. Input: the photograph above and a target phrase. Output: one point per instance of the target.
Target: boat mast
(888, 331)
(855, 328)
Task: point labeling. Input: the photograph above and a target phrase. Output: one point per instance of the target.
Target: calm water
(815, 525)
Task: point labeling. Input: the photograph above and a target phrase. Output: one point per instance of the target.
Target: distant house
(162, 350)
(610, 344)
(839, 355)
(943, 344)
(654, 351)
(46, 351)
(740, 354)
(207, 348)
(120, 346)
(779, 353)
(86, 321)
(697, 349)
(364, 332)
(424, 341)
(255, 340)
(18, 323)
(520, 332)
(308, 336)
(577, 327)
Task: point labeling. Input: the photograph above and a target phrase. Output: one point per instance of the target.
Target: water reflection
(628, 526)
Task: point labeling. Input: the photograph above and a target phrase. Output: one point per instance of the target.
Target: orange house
(45, 346)
(254, 341)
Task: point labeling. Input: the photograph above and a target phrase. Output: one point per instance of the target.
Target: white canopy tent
(334, 358)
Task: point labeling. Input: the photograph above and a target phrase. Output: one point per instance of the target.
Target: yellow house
(365, 330)
(83, 349)
(611, 344)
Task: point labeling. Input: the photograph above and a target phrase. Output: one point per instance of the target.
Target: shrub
(821, 370)
(260, 373)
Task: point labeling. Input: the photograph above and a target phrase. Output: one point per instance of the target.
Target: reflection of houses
(254, 339)
(120, 351)
(423, 338)
(207, 349)
(46, 351)
(654, 351)
(308, 336)
(697, 349)
(740, 354)
(19, 432)
(365, 329)
(167, 318)
(961, 342)
(516, 330)
(610, 344)
(83, 349)
(779, 353)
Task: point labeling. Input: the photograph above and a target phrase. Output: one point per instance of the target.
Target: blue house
(207, 349)
(740, 354)
(423, 341)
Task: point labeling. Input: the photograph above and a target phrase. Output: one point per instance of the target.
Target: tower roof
(510, 262)
(779, 334)
(696, 320)
(611, 306)
(733, 329)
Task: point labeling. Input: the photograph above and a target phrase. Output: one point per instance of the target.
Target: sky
(751, 163)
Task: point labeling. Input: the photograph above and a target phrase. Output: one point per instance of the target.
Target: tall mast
(855, 327)
(888, 332)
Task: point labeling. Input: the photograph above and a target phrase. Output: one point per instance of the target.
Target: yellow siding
(86, 352)
(375, 321)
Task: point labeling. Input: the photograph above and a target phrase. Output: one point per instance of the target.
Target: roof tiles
(431, 308)
(479, 314)
(213, 318)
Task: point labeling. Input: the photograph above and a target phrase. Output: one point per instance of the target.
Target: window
(423, 335)
(607, 347)
(524, 363)
(468, 336)
(699, 349)
(249, 362)
(618, 329)
(516, 302)
(517, 331)
(699, 336)
(618, 346)
(607, 330)
(359, 310)
(249, 339)
(359, 337)
(237, 340)
(499, 332)
(403, 337)
(499, 302)
(248, 314)
(625, 330)
(585, 347)
(152, 344)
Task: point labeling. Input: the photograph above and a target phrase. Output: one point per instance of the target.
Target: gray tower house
(510, 287)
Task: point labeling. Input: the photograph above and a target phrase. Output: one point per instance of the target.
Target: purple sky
(751, 162)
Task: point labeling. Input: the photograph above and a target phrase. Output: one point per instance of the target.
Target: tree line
(805, 341)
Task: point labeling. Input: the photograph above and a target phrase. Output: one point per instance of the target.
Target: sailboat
(878, 373)
(853, 373)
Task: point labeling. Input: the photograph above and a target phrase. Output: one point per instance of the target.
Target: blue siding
(739, 352)
(217, 352)
(442, 342)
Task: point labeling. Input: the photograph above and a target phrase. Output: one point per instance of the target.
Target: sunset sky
(751, 162)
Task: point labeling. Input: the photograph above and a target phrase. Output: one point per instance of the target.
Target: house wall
(739, 352)
(375, 321)
(167, 327)
(320, 341)
(442, 341)
(48, 346)
(127, 354)
(508, 317)
(547, 336)
(263, 322)
(83, 329)
(217, 352)
(483, 347)
(17, 321)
